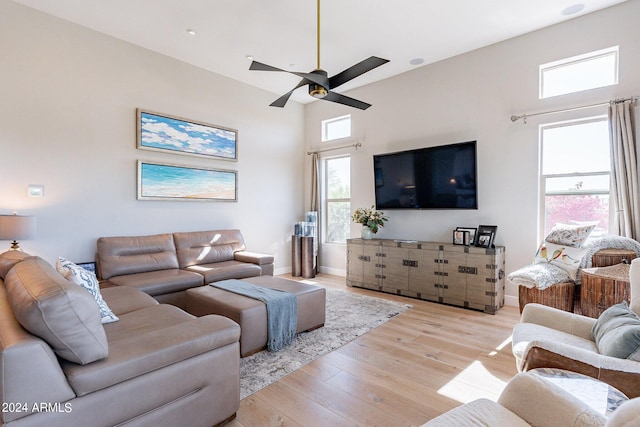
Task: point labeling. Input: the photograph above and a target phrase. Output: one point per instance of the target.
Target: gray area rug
(348, 316)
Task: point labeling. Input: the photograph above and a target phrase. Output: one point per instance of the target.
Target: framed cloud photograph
(162, 132)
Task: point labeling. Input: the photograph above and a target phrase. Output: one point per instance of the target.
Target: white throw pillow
(570, 234)
(87, 280)
(565, 257)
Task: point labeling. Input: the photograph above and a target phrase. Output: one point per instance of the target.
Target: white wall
(67, 121)
(471, 97)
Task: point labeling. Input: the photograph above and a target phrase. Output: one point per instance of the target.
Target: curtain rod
(515, 118)
(357, 145)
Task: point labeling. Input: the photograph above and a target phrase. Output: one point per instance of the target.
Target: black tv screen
(442, 177)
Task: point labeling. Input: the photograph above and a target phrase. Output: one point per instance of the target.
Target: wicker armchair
(547, 337)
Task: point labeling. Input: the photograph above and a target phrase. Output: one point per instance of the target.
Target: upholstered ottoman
(251, 314)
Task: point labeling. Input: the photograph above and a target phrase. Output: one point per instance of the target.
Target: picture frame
(165, 181)
(163, 132)
(486, 236)
(460, 237)
(471, 234)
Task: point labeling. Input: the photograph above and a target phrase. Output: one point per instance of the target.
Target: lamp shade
(17, 227)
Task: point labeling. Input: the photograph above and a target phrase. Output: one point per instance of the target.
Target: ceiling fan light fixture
(317, 91)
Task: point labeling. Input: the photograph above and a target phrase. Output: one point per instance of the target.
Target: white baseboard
(511, 300)
(333, 271)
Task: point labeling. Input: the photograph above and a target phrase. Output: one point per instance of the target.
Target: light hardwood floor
(414, 367)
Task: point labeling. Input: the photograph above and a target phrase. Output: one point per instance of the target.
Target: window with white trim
(578, 73)
(337, 198)
(574, 173)
(336, 128)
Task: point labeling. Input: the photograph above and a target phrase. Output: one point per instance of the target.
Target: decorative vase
(366, 233)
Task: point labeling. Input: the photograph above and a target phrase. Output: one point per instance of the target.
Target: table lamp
(17, 227)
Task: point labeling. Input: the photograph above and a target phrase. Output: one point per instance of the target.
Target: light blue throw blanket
(282, 310)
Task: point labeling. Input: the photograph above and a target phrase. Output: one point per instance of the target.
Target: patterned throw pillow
(569, 234)
(88, 281)
(565, 257)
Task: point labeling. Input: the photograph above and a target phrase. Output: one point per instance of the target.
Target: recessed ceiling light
(416, 61)
(572, 10)
(250, 57)
(191, 32)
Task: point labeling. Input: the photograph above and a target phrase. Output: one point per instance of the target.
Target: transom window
(578, 73)
(575, 172)
(337, 195)
(336, 128)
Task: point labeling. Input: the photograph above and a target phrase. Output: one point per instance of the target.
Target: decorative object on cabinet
(460, 237)
(485, 236)
(471, 238)
(161, 132)
(159, 181)
(464, 276)
(369, 218)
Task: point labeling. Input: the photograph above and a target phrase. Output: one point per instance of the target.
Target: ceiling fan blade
(282, 101)
(342, 99)
(356, 70)
(316, 78)
(259, 66)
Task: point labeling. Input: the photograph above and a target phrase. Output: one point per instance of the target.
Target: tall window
(337, 186)
(575, 170)
(336, 128)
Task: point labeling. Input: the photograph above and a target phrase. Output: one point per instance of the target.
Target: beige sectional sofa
(60, 365)
(166, 265)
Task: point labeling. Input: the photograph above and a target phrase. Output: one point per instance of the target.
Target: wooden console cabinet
(464, 276)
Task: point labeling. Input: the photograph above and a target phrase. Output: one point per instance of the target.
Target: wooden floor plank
(416, 366)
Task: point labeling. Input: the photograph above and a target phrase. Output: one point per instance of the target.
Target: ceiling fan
(320, 84)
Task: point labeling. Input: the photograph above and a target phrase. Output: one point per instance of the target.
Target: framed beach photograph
(470, 236)
(161, 132)
(159, 181)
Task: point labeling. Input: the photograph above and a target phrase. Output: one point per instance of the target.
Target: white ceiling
(282, 33)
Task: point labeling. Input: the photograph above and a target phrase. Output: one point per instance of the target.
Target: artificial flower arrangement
(369, 217)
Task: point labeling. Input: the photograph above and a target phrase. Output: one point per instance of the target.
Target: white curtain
(624, 170)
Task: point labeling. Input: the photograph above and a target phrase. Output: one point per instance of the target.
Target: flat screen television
(441, 177)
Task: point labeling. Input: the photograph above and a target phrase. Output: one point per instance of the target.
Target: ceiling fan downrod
(316, 90)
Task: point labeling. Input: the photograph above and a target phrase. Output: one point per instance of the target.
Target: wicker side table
(603, 287)
(607, 257)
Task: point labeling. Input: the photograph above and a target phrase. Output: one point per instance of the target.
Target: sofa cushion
(226, 270)
(10, 258)
(87, 281)
(125, 299)
(617, 332)
(136, 254)
(160, 282)
(206, 247)
(149, 339)
(61, 313)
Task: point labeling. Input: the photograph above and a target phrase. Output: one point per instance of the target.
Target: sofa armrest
(559, 320)
(556, 406)
(253, 257)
